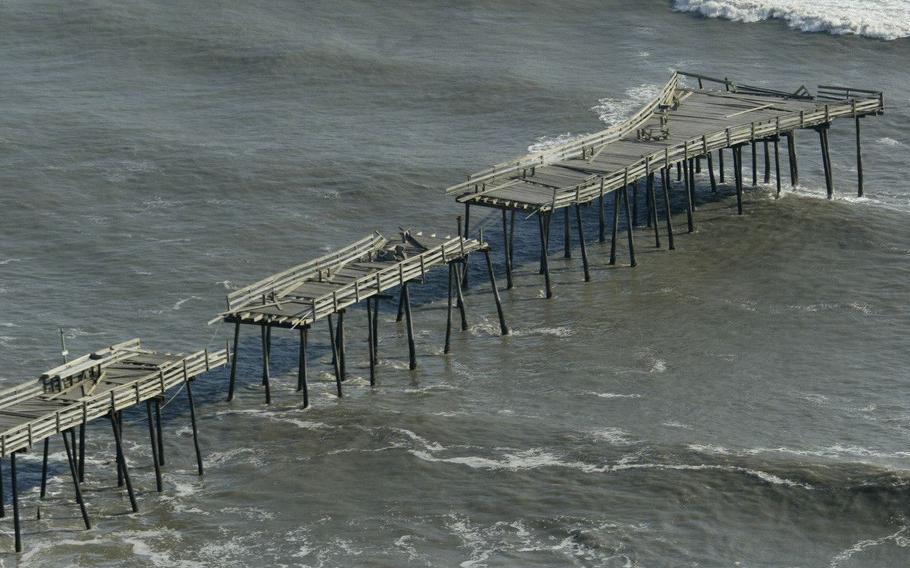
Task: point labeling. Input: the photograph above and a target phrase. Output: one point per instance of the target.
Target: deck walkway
(97, 385)
(299, 297)
(680, 126)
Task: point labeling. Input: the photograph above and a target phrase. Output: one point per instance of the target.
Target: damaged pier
(100, 385)
(679, 127)
(323, 288)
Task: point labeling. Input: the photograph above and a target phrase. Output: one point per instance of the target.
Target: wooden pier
(323, 288)
(682, 126)
(98, 385)
(679, 127)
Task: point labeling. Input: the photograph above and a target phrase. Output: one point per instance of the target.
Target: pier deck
(101, 384)
(680, 127)
(679, 124)
(299, 297)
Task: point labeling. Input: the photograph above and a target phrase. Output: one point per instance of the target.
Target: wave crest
(880, 19)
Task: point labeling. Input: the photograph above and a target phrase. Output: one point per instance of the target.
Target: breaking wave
(880, 19)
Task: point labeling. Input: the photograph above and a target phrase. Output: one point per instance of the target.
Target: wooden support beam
(158, 429)
(376, 330)
(118, 417)
(720, 164)
(738, 175)
(400, 315)
(581, 242)
(602, 215)
(467, 232)
(507, 254)
(545, 267)
(692, 184)
(452, 276)
(754, 161)
(777, 164)
(690, 221)
(616, 204)
(634, 203)
(512, 237)
(17, 528)
(233, 379)
(459, 295)
(665, 183)
(189, 400)
(302, 370)
(826, 159)
(82, 453)
(154, 443)
(503, 328)
(339, 341)
(334, 355)
(566, 234)
(370, 343)
(70, 458)
(652, 197)
(859, 158)
(767, 161)
(43, 493)
(121, 458)
(625, 195)
(412, 350)
(791, 154)
(711, 174)
(265, 364)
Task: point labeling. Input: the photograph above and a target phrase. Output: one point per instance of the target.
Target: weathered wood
(339, 341)
(754, 161)
(302, 370)
(738, 174)
(448, 343)
(601, 215)
(70, 458)
(159, 486)
(412, 351)
(545, 267)
(335, 363)
(581, 242)
(189, 401)
(690, 221)
(791, 154)
(503, 328)
(767, 156)
(567, 235)
(616, 198)
(121, 458)
(826, 160)
(859, 159)
(711, 174)
(507, 253)
(653, 221)
(158, 430)
(233, 378)
(266, 382)
(625, 195)
(459, 297)
(15, 491)
(777, 165)
(720, 164)
(665, 183)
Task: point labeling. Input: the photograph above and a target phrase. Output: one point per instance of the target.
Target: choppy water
(742, 401)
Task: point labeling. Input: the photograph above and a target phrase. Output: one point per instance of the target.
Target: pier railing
(92, 407)
(572, 148)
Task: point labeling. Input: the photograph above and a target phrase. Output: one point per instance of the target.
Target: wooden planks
(90, 387)
(695, 121)
(302, 296)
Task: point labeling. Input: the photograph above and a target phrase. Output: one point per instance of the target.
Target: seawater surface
(741, 401)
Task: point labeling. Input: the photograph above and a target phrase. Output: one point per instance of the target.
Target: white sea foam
(613, 395)
(612, 111)
(9, 260)
(899, 538)
(180, 303)
(881, 19)
(547, 142)
(536, 458)
(886, 141)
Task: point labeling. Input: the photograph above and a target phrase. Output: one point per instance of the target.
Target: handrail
(577, 145)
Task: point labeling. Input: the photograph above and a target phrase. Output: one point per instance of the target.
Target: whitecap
(612, 111)
(881, 19)
(613, 395)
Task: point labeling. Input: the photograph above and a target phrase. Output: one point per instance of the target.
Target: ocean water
(741, 401)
